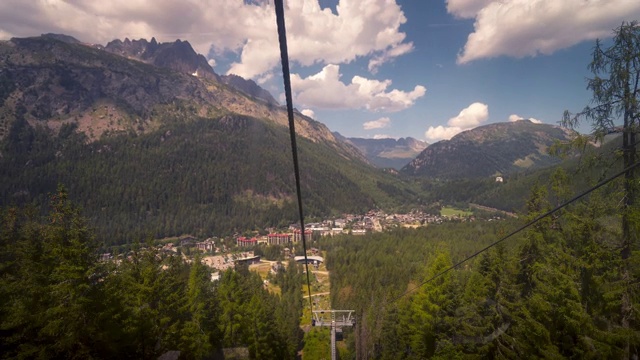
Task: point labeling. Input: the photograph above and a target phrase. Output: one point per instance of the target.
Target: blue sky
(370, 68)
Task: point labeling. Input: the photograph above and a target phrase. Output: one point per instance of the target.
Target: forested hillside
(554, 290)
(153, 151)
(487, 151)
(203, 177)
(58, 301)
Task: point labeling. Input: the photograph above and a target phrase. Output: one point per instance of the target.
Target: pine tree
(432, 309)
(616, 94)
(51, 285)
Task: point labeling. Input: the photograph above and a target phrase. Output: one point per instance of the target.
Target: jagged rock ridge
(181, 56)
(53, 81)
(178, 55)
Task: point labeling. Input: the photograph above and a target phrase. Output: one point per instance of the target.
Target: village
(224, 252)
(270, 251)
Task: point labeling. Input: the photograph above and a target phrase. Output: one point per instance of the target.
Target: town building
(245, 242)
(207, 245)
(297, 235)
(249, 260)
(278, 239)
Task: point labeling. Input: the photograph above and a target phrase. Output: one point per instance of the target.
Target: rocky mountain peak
(178, 55)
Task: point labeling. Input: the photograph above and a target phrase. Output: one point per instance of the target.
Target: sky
(427, 69)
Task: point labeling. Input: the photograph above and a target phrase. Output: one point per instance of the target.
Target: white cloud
(262, 79)
(212, 62)
(377, 124)
(514, 118)
(470, 117)
(521, 28)
(382, 136)
(308, 112)
(325, 90)
(441, 132)
(386, 56)
(358, 28)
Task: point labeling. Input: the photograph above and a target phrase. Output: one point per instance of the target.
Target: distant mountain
(388, 153)
(488, 151)
(148, 150)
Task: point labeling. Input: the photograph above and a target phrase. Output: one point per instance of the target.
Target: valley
(148, 209)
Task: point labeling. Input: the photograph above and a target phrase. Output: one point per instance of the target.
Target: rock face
(490, 150)
(51, 80)
(388, 153)
(178, 55)
(249, 87)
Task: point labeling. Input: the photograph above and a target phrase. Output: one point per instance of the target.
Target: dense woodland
(58, 301)
(203, 177)
(555, 290)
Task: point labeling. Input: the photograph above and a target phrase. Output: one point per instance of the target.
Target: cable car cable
(282, 38)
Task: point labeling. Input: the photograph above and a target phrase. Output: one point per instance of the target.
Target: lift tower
(336, 320)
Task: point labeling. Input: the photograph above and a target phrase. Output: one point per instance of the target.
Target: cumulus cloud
(521, 28)
(470, 117)
(358, 28)
(377, 124)
(308, 112)
(382, 136)
(325, 90)
(262, 79)
(514, 118)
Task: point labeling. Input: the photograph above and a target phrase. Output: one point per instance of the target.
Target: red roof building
(278, 239)
(245, 242)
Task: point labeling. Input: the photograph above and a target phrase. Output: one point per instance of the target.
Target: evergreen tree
(50, 284)
(616, 94)
(432, 309)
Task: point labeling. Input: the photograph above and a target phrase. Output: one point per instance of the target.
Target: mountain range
(149, 140)
(387, 152)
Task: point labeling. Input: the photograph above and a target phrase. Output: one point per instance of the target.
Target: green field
(449, 211)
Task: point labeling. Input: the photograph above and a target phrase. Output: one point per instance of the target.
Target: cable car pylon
(336, 320)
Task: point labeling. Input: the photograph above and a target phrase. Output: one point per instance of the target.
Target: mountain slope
(249, 87)
(388, 153)
(147, 150)
(53, 82)
(490, 150)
